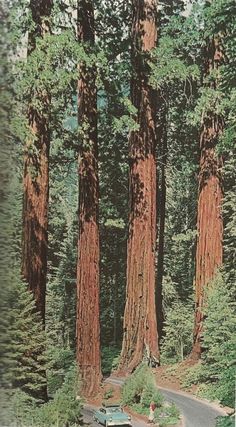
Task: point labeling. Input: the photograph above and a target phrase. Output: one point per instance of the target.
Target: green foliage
(193, 375)
(168, 415)
(215, 375)
(178, 329)
(59, 365)
(64, 409)
(25, 350)
(62, 256)
(140, 388)
(226, 421)
(16, 407)
(109, 393)
(229, 215)
(168, 69)
(220, 342)
(110, 359)
(51, 73)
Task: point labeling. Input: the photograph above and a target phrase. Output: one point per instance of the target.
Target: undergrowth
(139, 390)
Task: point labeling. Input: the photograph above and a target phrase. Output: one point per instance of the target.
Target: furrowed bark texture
(209, 253)
(161, 209)
(88, 327)
(140, 338)
(36, 177)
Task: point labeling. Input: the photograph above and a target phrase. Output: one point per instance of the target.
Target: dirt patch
(172, 376)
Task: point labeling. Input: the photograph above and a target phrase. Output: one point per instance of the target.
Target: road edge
(197, 399)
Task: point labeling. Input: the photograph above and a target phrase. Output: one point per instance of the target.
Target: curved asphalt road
(195, 412)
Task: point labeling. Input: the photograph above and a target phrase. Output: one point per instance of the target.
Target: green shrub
(177, 341)
(109, 393)
(226, 421)
(110, 359)
(168, 415)
(63, 410)
(60, 363)
(17, 408)
(216, 372)
(140, 388)
(193, 375)
(150, 393)
(25, 348)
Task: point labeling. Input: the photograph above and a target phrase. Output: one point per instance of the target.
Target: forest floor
(173, 376)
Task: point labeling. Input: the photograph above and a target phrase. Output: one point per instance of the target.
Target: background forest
(42, 44)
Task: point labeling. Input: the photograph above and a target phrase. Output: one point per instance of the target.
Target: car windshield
(112, 410)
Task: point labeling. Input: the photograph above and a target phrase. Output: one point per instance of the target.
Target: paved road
(196, 413)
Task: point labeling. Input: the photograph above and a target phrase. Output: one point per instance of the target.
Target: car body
(112, 415)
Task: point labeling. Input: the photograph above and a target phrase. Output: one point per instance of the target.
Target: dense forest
(118, 198)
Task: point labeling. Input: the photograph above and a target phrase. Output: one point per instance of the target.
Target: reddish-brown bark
(140, 327)
(36, 178)
(35, 213)
(209, 253)
(161, 211)
(88, 326)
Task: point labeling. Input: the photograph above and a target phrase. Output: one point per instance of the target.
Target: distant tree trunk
(140, 326)
(88, 327)
(115, 288)
(115, 308)
(36, 176)
(161, 209)
(209, 252)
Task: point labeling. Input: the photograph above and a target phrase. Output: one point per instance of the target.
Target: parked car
(112, 415)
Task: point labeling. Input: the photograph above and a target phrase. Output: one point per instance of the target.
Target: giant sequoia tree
(88, 328)
(36, 171)
(209, 254)
(140, 326)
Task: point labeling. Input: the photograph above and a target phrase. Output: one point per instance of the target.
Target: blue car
(112, 415)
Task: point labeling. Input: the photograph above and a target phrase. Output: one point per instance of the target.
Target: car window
(112, 410)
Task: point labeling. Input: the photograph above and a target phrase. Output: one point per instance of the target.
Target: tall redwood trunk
(140, 338)
(209, 252)
(36, 176)
(161, 210)
(88, 327)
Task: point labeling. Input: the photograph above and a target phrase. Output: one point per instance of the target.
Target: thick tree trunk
(36, 177)
(209, 253)
(88, 327)
(140, 327)
(161, 209)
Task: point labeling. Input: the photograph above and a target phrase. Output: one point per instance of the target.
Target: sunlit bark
(209, 254)
(88, 327)
(36, 175)
(140, 327)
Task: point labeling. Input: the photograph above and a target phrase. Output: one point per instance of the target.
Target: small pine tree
(25, 347)
(219, 342)
(178, 326)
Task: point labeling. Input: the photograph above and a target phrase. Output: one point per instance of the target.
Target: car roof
(111, 405)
